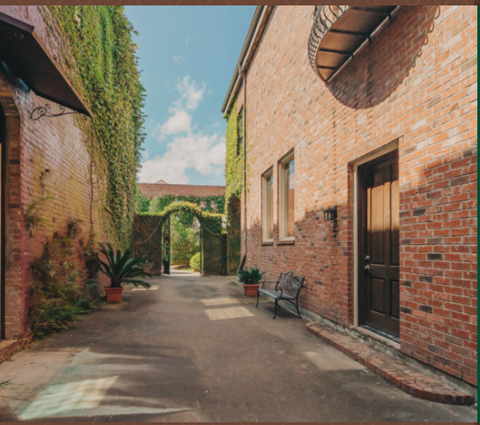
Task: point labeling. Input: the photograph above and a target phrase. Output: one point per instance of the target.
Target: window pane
(290, 189)
(270, 207)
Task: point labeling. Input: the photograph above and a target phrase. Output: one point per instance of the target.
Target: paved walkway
(194, 349)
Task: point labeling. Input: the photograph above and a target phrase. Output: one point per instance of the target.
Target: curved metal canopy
(338, 32)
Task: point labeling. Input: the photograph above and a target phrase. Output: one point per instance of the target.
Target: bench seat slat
(275, 294)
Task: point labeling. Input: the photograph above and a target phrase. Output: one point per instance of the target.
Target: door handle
(367, 267)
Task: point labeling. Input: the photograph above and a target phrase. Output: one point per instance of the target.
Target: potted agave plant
(121, 268)
(251, 280)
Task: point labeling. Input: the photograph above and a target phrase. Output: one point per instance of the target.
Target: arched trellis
(147, 237)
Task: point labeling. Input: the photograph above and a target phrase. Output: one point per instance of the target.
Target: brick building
(367, 116)
(47, 171)
(162, 188)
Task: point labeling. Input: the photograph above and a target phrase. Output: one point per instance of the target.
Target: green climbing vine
(147, 233)
(209, 204)
(65, 275)
(99, 58)
(234, 184)
(212, 223)
(234, 155)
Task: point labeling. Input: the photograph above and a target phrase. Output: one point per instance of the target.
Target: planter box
(114, 295)
(251, 290)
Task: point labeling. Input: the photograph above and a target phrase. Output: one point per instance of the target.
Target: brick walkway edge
(404, 377)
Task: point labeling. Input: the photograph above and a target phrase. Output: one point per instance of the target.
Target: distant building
(162, 188)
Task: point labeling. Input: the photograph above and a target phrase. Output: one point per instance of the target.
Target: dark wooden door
(379, 260)
(2, 223)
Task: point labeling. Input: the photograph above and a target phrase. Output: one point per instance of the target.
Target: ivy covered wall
(147, 237)
(234, 185)
(100, 61)
(234, 154)
(157, 204)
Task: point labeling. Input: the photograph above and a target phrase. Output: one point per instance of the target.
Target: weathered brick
(399, 87)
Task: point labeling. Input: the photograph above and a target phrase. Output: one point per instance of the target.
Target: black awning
(339, 31)
(27, 57)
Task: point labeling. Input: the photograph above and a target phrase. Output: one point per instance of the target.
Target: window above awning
(27, 57)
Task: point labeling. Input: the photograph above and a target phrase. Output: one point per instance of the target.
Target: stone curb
(404, 377)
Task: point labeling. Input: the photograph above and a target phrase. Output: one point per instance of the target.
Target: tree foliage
(195, 262)
(183, 242)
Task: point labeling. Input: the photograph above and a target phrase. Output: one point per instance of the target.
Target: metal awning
(339, 31)
(24, 53)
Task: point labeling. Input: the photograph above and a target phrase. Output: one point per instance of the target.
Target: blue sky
(187, 57)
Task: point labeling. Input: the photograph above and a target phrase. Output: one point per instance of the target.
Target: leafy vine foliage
(148, 235)
(234, 154)
(209, 204)
(59, 293)
(234, 185)
(101, 62)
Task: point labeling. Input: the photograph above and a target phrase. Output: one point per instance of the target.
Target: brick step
(398, 373)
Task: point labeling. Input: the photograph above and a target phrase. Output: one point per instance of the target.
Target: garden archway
(148, 238)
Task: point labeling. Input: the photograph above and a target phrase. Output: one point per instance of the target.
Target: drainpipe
(244, 117)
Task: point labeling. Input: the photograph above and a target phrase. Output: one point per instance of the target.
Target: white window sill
(287, 241)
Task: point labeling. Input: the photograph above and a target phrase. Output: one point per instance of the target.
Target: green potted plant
(121, 268)
(250, 277)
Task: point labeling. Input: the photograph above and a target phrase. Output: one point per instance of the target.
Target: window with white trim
(267, 206)
(287, 198)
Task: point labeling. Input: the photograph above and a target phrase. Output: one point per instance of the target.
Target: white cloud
(188, 149)
(177, 58)
(191, 94)
(203, 153)
(162, 168)
(178, 123)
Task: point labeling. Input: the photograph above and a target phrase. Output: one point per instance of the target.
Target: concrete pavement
(194, 349)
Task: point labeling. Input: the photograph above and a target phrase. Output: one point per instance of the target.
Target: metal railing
(323, 18)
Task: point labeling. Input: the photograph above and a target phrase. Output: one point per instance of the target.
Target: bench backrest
(290, 283)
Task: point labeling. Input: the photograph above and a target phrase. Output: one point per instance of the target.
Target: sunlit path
(195, 349)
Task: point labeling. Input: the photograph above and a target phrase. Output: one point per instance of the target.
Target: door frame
(3, 181)
(383, 150)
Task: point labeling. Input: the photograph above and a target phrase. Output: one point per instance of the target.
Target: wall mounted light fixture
(330, 214)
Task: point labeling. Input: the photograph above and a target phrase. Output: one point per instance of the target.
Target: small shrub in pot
(250, 277)
(121, 268)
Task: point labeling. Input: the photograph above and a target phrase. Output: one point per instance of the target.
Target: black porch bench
(287, 288)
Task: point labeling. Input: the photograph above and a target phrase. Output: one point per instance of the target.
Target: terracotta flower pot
(251, 290)
(114, 295)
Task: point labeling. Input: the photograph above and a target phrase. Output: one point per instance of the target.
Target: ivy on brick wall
(211, 221)
(234, 185)
(234, 155)
(148, 235)
(209, 204)
(99, 58)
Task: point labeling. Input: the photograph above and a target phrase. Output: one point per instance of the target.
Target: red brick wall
(158, 189)
(414, 83)
(46, 159)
